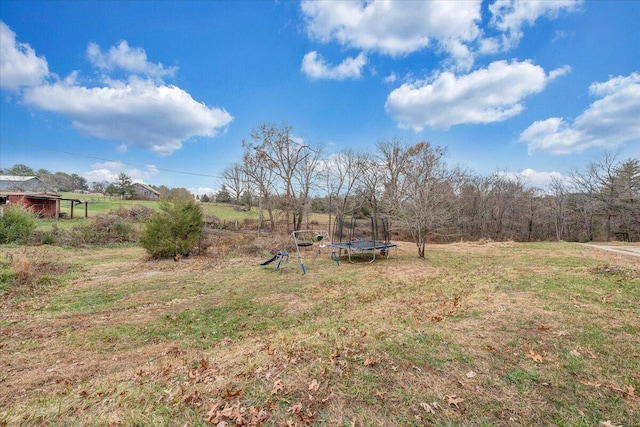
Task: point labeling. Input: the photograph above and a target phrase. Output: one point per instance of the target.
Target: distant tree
(261, 177)
(99, 186)
(111, 189)
(62, 181)
(223, 196)
(246, 199)
(205, 198)
(19, 169)
(163, 190)
(291, 160)
(235, 181)
(628, 181)
(179, 193)
(125, 186)
(78, 183)
(46, 178)
(559, 203)
(340, 176)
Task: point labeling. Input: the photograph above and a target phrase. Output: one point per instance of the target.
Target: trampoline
(362, 235)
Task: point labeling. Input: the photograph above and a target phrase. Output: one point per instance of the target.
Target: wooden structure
(46, 205)
(145, 192)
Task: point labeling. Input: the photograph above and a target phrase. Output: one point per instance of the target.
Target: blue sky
(166, 91)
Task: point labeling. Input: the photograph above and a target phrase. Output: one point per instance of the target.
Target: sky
(166, 91)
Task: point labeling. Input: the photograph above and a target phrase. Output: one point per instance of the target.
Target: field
(100, 205)
(476, 334)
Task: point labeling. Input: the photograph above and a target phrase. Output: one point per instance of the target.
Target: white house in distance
(143, 191)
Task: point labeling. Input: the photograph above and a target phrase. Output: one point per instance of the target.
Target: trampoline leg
(304, 270)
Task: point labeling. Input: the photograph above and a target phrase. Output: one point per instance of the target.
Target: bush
(104, 229)
(174, 229)
(16, 224)
(136, 212)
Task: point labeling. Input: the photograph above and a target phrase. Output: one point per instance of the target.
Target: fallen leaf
(230, 393)
(575, 353)
(427, 408)
(608, 424)
(454, 400)
(370, 361)
(590, 384)
(591, 355)
(314, 386)
(278, 386)
(535, 356)
(471, 374)
(294, 409)
(213, 409)
(560, 333)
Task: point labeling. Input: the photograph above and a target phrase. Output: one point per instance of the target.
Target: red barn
(42, 204)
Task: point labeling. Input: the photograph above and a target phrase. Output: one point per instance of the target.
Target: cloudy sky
(166, 91)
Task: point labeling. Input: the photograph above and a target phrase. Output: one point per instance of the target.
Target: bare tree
(599, 186)
(283, 154)
(393, 156)
(559, 202)
(628, 181)
(419, 189)
(305, 177)
(262, 177)
(235, 180)
(340, 175)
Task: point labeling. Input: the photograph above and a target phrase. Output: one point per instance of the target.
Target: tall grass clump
(16, 224)
(174, 229)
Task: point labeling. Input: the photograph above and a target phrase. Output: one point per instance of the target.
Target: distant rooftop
(17, 178)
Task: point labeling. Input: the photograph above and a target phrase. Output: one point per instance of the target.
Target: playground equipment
(366, 234)
(303, 239)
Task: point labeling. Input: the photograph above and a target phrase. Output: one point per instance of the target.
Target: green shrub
(174, 229)
(16, 224)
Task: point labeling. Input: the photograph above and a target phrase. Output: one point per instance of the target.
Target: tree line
(414, 186)
(123, 186)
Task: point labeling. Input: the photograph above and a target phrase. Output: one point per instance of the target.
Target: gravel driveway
(627, 250)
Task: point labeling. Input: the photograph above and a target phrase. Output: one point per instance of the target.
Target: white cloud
(136, 110)
(491, 94)
(391, 78)
(131, 60)
(610, 121)
(19, 65)
(154, 117)
(455, 28)
(510, 16)
(109, 171)
(534, 178)
(201, 191)
(394, 28)
(314, 66)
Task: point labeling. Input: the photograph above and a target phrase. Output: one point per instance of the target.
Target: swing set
(305, 240)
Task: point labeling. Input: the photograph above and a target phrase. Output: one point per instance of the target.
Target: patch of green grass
(522, 379)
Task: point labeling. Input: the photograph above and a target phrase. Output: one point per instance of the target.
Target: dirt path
(627, 250)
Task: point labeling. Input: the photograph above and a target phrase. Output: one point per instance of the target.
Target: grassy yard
(99, 205)
(495, 334)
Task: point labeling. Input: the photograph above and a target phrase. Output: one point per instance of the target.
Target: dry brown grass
(481, 333)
